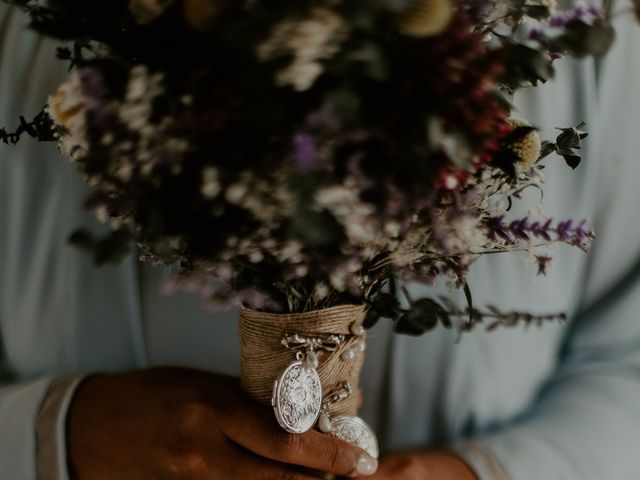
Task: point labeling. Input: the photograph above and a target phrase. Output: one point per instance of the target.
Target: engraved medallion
(297, 397)
(354, 430)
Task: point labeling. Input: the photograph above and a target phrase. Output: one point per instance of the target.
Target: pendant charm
(354, 430)
(297, 396)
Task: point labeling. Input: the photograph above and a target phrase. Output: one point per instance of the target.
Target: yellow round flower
(527, 148)
(427, 18)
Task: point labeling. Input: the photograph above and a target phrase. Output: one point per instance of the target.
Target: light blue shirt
(561, 402)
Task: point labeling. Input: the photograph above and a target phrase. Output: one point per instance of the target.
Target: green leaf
(582, 39)
(571, 137)
(423, 316)
(83, 240)
(538, 12)
(112, 248)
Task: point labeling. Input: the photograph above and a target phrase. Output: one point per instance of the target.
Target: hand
(423, 466)
(173, 423)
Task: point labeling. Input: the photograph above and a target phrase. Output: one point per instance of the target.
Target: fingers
(246, 465)
(255, 429)
(225, 461)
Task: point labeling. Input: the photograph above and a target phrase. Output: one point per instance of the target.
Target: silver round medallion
(354, 430)
(297, 398)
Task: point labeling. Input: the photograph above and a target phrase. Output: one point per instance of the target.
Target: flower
(427, 18)
(143, 87)
(459, 234)
(526, 148)
(309, 40)
(398, 164)
(210, 182)
(146, 11)
(305, 152)
(67, 105)
(67, 108)
(199, 14)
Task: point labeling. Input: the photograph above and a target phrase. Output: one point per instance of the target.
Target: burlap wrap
(263, 358)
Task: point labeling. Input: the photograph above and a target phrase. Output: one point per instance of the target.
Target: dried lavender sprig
(525, 229)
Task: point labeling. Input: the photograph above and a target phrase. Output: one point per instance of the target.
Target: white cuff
(19, 405)
(51, 438)
(483, 463)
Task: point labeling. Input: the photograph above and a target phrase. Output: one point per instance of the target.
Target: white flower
(146, 11)
(67, 108)
(142, 89)
(210, 182)
(308, 41)
(300, 75)
(236, 192)
(102, 214)
(356, 216)
(461, 234)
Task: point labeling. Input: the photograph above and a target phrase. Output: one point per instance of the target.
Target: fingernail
(366, 465)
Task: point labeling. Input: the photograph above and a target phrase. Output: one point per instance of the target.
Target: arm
(587, 421)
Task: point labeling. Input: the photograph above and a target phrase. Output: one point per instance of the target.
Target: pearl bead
(357, 329)
(325, 423)
(348, 355)
(362, 346)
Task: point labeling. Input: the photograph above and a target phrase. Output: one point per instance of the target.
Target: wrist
(447, 465)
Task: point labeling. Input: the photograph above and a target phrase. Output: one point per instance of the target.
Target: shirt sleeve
(51, 429)
(19, 407)
(586, 423)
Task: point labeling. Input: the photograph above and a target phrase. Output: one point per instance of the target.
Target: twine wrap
(263, 357)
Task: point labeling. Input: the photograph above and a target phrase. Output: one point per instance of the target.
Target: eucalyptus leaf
(582, 39)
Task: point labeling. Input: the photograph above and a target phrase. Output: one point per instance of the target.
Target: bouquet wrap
(263, 357)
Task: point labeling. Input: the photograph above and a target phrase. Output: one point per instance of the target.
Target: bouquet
(301, 158)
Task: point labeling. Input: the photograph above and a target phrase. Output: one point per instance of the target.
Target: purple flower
(595, 10)
(579, 13)
(305, 152)
(536, 34)
(93, 86)
(558, 20)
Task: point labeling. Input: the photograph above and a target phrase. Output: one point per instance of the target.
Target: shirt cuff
(19, 405)
(481, 460)
(51, 435)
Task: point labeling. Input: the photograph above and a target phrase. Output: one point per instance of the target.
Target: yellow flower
(527, 148)
(146, 11)
(65, 106)
(427, 18)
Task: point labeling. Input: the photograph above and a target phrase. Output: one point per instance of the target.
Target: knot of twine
(263, 357)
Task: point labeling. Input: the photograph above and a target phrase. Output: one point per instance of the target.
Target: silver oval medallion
(355, 430)
(297, 398)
